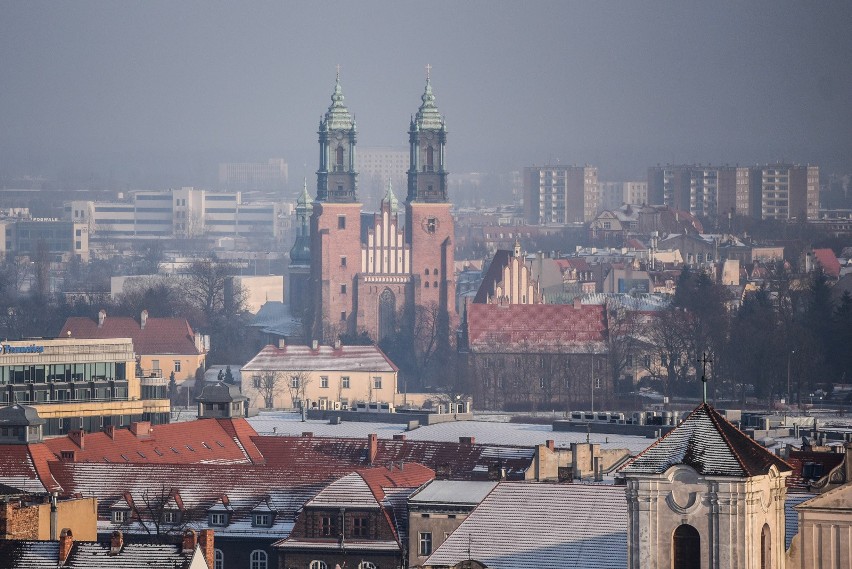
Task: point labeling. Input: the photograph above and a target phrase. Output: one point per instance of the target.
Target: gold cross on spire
(428, 69)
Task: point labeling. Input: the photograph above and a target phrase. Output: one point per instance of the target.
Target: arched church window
(430, 158)
(339, 160)
(427, 284)
(387, 313)
(765, 548)
(427, 272)
(686, 548)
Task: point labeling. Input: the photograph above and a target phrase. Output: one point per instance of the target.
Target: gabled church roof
(711, 445)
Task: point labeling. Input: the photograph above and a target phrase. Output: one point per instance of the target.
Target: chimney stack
(116, 542)
(67, 456)
(78, 437)
(205, 540)
(190, 538)
(141, 428)
(143, 319)
(372, 447)
(550, 444)
(399, 437)
(66, 541)
(101, 318)
(109, 431)
(466, 440)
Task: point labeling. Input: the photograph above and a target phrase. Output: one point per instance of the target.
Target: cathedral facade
(377, 273)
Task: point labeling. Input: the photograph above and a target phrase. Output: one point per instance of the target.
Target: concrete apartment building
(376, 167)
(615, 194)
(25, 236)
(271, 175)
(772, 191)
(560, 194)
(184, 213)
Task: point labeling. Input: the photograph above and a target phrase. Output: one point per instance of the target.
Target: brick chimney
(78, 437)
(143, 319)
(116, 542)
(141, 428)
(205, 540)
(372, 447)
(399, 437)
(109, 431)
(190, 538)
(66, 541)
(101, 318)
(550, 444)
(466, 440)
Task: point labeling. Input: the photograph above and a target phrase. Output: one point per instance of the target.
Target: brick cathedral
(379, 272)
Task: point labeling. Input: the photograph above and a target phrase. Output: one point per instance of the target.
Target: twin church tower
(353, 272)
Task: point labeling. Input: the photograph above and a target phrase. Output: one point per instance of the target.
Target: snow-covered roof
(711, 445)
(525, 525)
(460, 492)
(324, 358)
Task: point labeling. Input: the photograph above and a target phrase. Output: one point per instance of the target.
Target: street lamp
(789, 357)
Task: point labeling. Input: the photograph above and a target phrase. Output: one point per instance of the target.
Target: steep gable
(711, 445)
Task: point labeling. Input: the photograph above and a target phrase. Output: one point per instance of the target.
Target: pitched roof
(160, 335)
(16, 554)
(383, 479)
(492, 276)
(550, 526)
(351, 491)
(220, 392)
(711, 445)
(96, 555)
(828, 262)
(200, 441)
(325, 358)
(26, 467)
(456, 492)
(19, 416)
(836, 499)
(563, 328)
(797, 459)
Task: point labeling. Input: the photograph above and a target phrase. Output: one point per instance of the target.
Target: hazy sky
(157, 93)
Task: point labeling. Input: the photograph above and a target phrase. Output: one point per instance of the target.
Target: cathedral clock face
(430, 224)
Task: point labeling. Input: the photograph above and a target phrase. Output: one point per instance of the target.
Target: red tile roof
(160, 335)
(200, 441)
(828, 262)
(411, 475)
(827, 460)
(536, 327)
(26, 467)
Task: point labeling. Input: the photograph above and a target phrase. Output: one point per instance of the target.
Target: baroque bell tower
(429, 223)
(335, 225)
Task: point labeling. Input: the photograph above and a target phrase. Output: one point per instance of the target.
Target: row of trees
(204, 296)
(784, 340)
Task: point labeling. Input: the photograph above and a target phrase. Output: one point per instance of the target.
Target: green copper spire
(390, 198)
(337, 117)
(428, 116)
(304, 201)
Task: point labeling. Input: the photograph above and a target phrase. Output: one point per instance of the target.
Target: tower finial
(338, 73)
(428, 71)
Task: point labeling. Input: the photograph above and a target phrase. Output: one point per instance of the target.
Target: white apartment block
(560, 194)
(378, 165)
(271, 175)
(186, 212)
(615, 194)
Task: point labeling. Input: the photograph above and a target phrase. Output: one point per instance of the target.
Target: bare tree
(297, 384)
(624, 328)
(206, 285)
(159, 512)
(269, 384)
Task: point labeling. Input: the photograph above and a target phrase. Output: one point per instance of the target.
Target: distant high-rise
(376, 167)
(269, 176)
(612, 195)
(774, 191)
(560, 194)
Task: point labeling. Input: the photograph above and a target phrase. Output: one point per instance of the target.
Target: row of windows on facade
(75, 393)
(296, 382)
(543, 383)
(215, 519)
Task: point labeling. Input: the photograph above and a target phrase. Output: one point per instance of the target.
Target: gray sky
(157, 93)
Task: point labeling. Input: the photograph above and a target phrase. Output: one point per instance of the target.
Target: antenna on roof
(704, 360)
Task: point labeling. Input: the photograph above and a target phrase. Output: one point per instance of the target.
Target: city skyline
(158, 94)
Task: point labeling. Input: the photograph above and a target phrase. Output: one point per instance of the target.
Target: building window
(326, 526)
(541, 383)
(341, 220)
(261, 520)
(339, 156)
(170, 517)
(324, 381)
(342, 315)
(359, 527)
(343, 289)
(342, 261)
(294, 382)
(259, 560)
(431, 223)
(425, 543)
(377, 382)
(218, 559)
(256, 381)
(218, 519)
(344, 382)
(646, 361)
(120, 516)
(155, 364)
(177, 366)
(317, 564)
